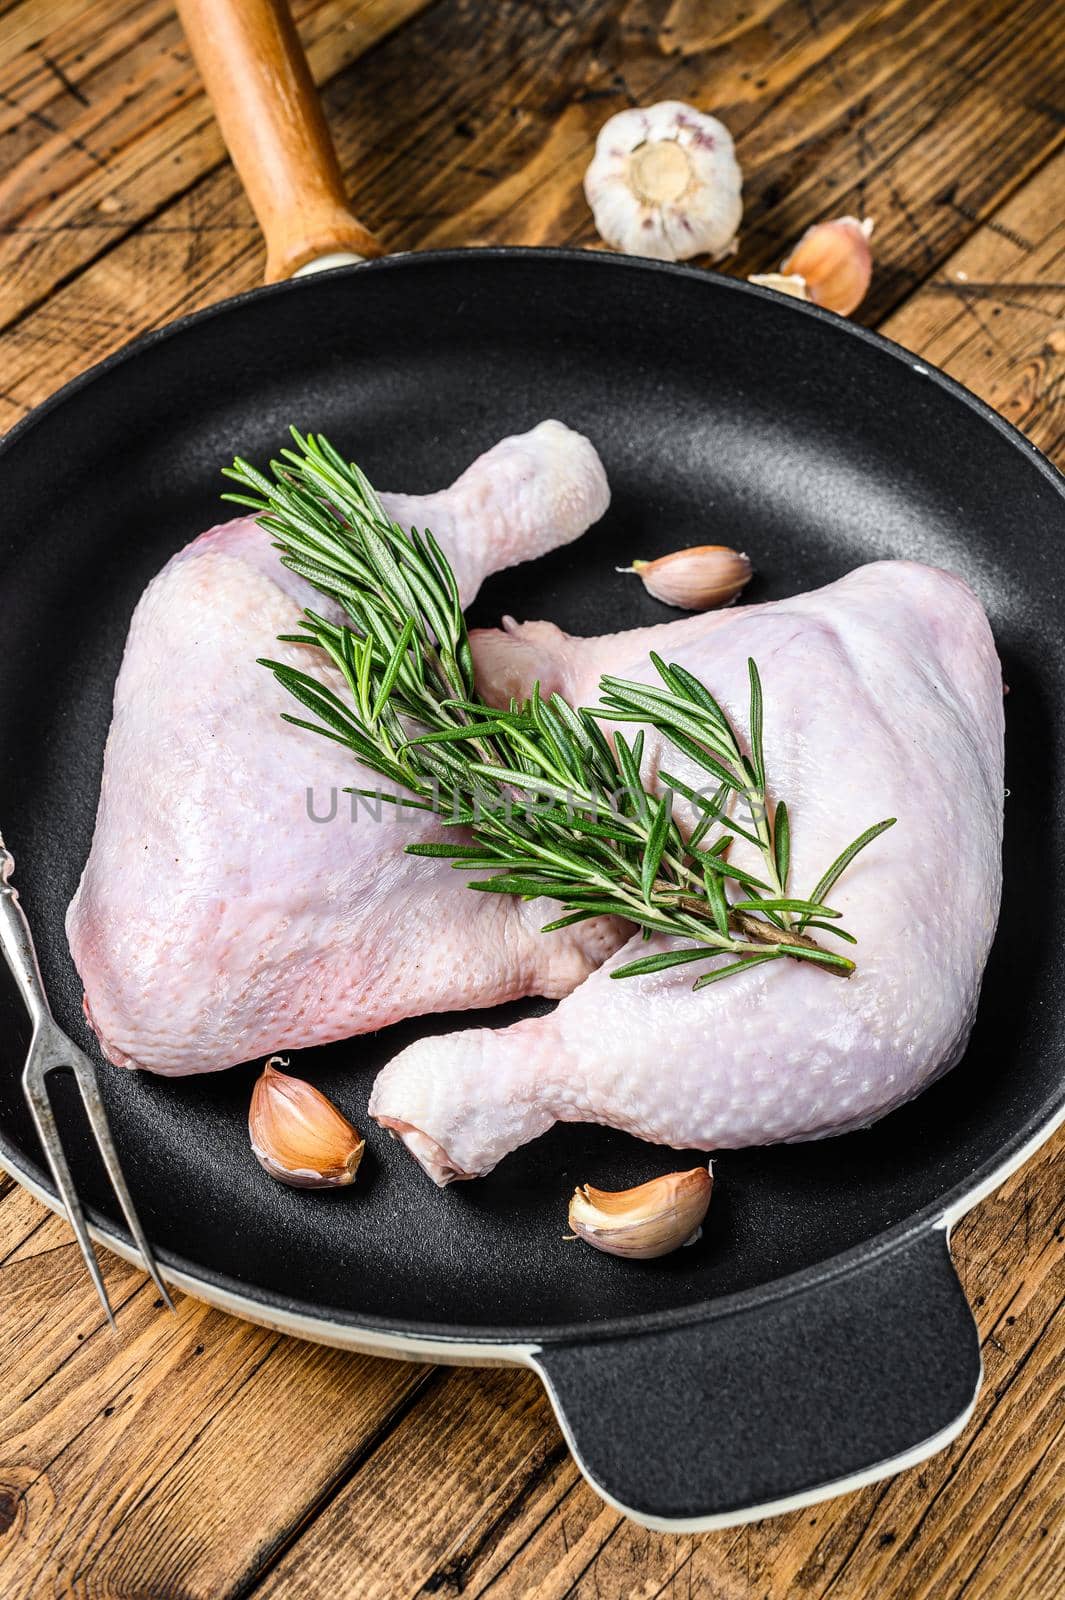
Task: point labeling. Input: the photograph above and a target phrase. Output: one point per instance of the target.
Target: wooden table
(196, 1456)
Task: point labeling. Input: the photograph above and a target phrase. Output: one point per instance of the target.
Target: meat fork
(51, 1049)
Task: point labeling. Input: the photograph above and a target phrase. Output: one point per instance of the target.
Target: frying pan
(817, 1337)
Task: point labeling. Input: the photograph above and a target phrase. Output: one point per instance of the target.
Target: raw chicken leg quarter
(883, 697)
(220, 916)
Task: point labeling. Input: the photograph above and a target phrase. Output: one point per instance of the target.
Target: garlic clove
(648, 1221)
(835, 262)
(793, 285)
(664, 182)
(298, 1136)
(696, 579)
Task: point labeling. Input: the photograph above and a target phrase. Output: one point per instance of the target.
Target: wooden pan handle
(256, 74)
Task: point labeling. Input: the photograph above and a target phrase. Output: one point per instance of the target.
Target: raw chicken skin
(215, 920)
(883, 697)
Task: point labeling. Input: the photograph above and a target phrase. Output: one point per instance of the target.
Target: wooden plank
(455, 1463)
(506, 1512)
(995, 317)
(486, 114)
(103, 122)
(173, 1458)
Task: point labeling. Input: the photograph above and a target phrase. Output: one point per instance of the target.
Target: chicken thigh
(883, 697)
(234, 903)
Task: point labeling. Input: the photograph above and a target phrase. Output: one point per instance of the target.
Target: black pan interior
(723, 414)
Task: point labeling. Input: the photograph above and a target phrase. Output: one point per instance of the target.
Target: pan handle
(757, 1409)
(256, 74)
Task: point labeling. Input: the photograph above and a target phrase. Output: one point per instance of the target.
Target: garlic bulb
(832, 265)
(298, 1136)
(664, 182)
(645, 1222)
(696, 579)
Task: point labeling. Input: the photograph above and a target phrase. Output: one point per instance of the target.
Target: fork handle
(255, 72)
(17, 943)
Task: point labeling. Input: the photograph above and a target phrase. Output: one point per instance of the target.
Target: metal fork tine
(50, 1048)
(44, 1120)
(94, 1110)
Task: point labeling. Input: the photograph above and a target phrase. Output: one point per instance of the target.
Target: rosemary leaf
(659, 963)
(700, 695)
(656, 844)
(568, 921)
(708, 762)
(782, 843)
(629, 762)
(314, 727)
(715, 894)
(735, 966)
(431, 847)
(714, 863)
(391, 672)
(829, 927)
(756, 720)
(823, 958)
(783, 903)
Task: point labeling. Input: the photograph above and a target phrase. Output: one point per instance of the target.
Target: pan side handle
(256, 74)
(753, 1411)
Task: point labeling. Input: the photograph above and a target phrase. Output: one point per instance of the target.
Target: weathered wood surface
(195, 1456)
(103, 123)
(513, 1517)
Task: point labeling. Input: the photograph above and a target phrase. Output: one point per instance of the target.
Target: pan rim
(520, 1342)
(1024, 1140)
(414, 260)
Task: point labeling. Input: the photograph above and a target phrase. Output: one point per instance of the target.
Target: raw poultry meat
(219, 917)
(883, 697)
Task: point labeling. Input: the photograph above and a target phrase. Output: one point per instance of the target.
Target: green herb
(552, 806)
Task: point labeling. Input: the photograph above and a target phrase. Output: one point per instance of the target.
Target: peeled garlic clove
(645, 1222)
(664, 182)
(697, 579)
(794, 285)
(298, 1136)
(835, 263)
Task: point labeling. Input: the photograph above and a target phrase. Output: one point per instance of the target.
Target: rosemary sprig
(551, 806)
